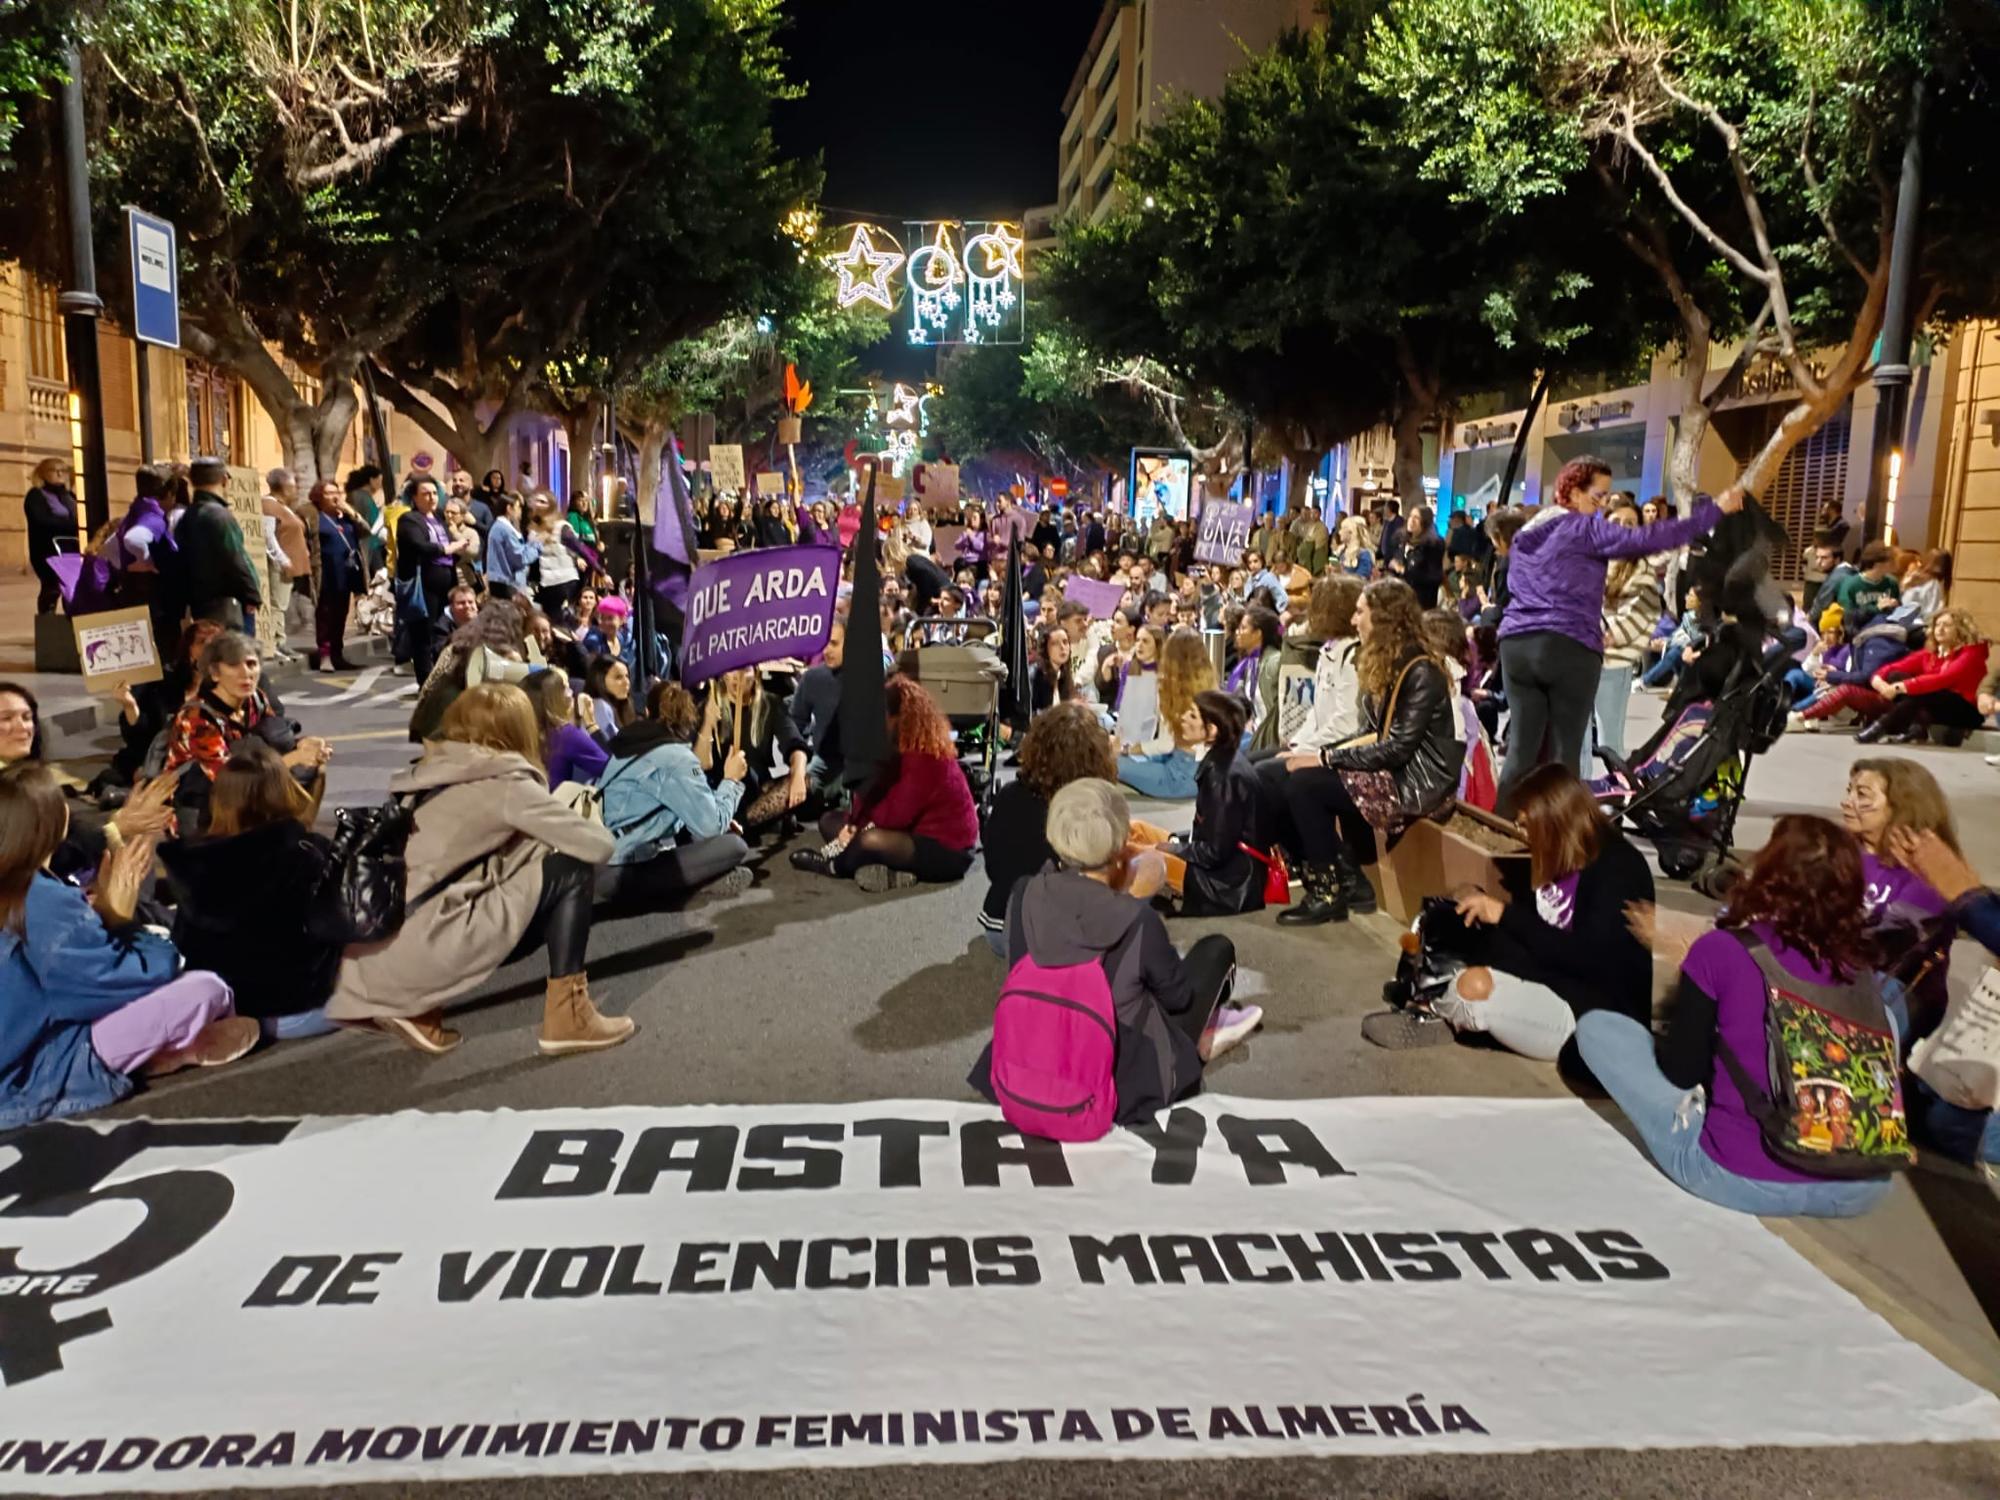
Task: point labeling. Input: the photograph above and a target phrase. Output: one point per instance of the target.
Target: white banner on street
(452, 1296)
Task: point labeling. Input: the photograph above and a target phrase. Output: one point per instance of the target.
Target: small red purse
(1277, 879)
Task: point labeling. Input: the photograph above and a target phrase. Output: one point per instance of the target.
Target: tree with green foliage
(1279, 245)
(475, 187)
(1744, 153)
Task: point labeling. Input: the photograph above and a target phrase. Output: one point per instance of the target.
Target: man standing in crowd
(286, 559)
(1048, 537)
(1390, 546)
(1312, 543)
(217, 580)
(476, 508)
(342, 575)
(1010, 526)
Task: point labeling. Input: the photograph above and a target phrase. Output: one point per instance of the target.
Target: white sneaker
(1798, 723)
(1993, 761)
(1232, 1023)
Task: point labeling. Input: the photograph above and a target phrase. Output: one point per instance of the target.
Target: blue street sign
(156, 279)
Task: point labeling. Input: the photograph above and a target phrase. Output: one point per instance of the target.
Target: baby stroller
(959, 665)
(1682, 789)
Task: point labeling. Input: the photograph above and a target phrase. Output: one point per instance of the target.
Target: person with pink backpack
(1100, 1021)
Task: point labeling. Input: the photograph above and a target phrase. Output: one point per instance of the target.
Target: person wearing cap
(216, 576)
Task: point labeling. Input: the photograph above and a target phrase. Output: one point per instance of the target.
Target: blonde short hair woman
(497, 867)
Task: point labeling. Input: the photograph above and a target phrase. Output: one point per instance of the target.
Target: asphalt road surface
(806, 990)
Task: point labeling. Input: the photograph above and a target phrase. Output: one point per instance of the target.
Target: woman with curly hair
(916, 820)
(1164, 767)
(1064, 744)
(1795, 920)
(1404, 764)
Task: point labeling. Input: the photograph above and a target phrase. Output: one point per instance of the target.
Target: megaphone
(488, 665)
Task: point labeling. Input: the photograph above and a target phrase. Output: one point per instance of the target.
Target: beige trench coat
(487, 804)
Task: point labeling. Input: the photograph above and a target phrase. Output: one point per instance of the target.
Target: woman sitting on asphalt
(497, 867)
(1936, 688)
(1163, 766)
(1403, 766)
(232, 703)
(93, 999)
(569, 752)
(1052, 672)
(1888, 799)
(245, 889)
(1795, 918)
(672, 827)
(1211, 871)
(1173, 1010)
(915, 821)
(608, 687)
(741, 702)
(1064, 744)
(1538, 969)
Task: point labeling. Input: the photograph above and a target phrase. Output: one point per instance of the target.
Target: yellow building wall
(1967, 519)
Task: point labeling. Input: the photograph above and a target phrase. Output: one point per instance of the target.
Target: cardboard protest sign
(770, 484)
(1224, 534)
(941, 486)
(115, 648)
(888, 489)
(1101, 599)
(758, 606)
(725, 462)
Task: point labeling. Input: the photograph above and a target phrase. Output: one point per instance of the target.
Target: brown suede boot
(571, 1023)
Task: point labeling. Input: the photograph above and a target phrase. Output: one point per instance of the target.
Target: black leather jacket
(1422, 749)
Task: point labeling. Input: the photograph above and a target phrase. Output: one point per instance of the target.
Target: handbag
(363, 896)
(1277, 878)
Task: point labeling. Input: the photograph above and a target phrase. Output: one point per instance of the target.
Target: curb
(102, 713)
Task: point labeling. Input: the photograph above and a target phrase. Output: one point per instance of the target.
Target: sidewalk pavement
(66, 708)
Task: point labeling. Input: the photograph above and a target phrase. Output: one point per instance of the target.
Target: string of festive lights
(865, 254)
(964, 283)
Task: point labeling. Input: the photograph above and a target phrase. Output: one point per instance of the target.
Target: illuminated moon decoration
(993, 272)
(963, 284)
(866, 266)
(935, 276)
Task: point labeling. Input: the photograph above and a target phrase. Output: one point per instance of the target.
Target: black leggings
(1551, 690)
(1323, 817)
(925, 858)
(675, 872)
(562, 916)
(1943, 708)
(1210, 966)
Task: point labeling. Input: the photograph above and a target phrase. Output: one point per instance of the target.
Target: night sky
(956, 117)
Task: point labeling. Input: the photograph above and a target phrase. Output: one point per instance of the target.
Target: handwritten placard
(115, 649)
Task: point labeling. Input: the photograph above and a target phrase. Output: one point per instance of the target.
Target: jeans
(1614, 696)
(1551, 686)
(997, 941)
(1661, 672)
(1620, 1052)
(1166, 778)
(1801, 684)
(170, 1018)
(1519, 1014)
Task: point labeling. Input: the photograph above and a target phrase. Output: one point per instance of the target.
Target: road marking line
(367, 734)
(361, 685)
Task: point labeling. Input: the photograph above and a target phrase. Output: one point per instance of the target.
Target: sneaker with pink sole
(1229, 1025)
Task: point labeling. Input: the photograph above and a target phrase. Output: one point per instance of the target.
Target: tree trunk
(1799, 423)
(1409, 434)
(478, 446)
(1303, 462)
(580, 425)
(1684, 461)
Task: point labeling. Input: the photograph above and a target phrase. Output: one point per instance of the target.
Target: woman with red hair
(1795, 925)
(1552, 635)
(916, 820)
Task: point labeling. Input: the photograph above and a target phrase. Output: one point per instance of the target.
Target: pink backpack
(1055, 1045)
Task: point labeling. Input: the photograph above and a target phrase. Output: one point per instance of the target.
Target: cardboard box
(1430, 860)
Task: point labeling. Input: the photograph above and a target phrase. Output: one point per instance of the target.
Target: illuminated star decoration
(865, 270)
(904, 407)
(994, 272)
(934, 276)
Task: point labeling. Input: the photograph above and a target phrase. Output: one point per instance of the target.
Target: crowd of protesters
(1347, 677)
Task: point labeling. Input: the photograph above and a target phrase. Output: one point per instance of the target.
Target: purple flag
(758, 606)
(673, 529)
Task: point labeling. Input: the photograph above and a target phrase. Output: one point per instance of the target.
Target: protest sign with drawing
(753, 607)
(1224, 534)
(115, 649)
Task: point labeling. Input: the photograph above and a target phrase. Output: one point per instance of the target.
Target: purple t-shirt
(1555, 903)
(1887, 886)
(1718, 963)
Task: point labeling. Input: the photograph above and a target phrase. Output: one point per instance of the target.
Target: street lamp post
(1892, 368)
(80, 303)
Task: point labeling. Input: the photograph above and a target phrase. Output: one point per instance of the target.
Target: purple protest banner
(752, 607)
(1101, 599)
(1225, 533)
